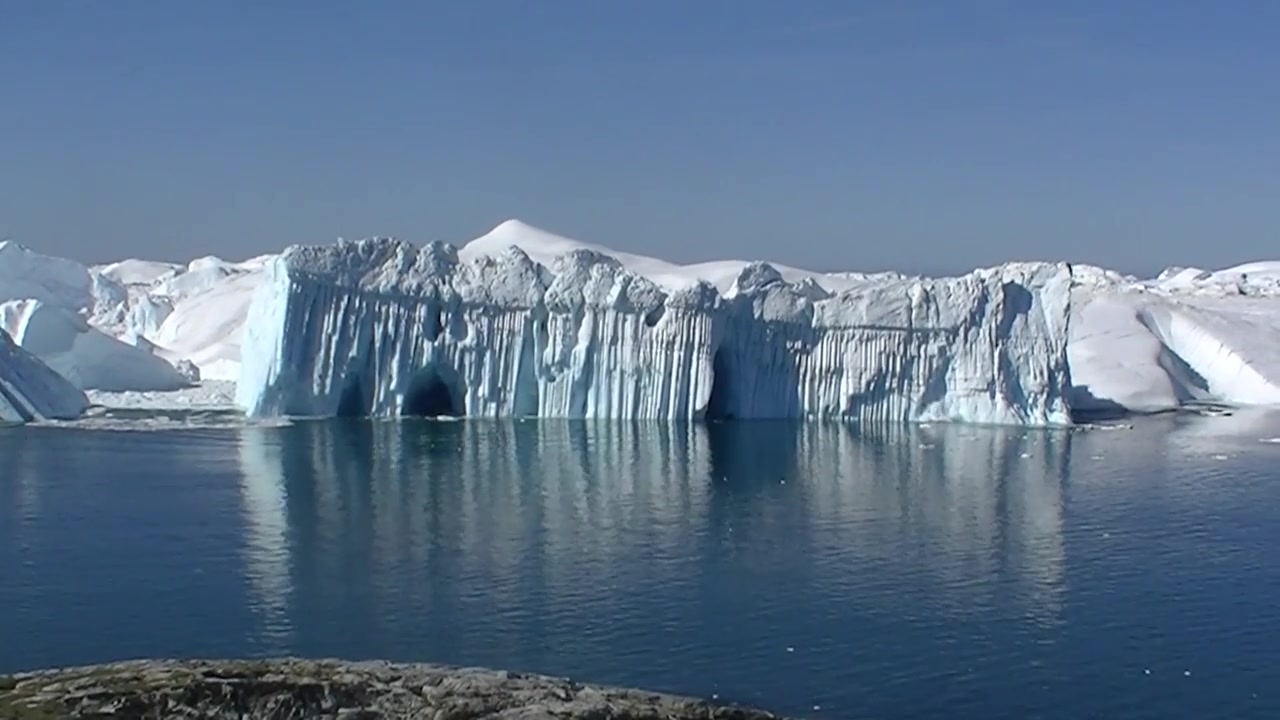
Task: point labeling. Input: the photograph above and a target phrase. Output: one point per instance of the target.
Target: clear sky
(924, 136)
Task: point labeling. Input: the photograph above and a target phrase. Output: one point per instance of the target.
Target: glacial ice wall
(380, 327)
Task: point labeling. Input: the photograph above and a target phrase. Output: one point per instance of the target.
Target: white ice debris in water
(380, 327)
(30, 391)
(208, 395)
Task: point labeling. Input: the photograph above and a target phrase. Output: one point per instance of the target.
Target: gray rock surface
(289, 688)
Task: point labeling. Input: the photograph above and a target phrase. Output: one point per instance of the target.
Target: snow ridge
(380, 327)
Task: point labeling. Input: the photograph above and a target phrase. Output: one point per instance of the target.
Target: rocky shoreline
(289, 689)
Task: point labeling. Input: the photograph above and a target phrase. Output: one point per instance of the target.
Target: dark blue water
(931, 572)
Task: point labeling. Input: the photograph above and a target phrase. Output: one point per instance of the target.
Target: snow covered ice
(84, 355)
(380, 327)
(126, 326)
(1189, 335)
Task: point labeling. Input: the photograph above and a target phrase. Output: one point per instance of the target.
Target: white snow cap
(524, 323)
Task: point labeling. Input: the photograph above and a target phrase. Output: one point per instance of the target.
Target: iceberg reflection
(456, 540)
(266, 550)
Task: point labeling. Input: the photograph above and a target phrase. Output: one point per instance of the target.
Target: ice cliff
(380, 327)
(29, 390)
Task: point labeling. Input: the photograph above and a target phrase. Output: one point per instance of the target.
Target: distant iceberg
(84, 355)
(1187, 336)
(130, 326)
(382, 328)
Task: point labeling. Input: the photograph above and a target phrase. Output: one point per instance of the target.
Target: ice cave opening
(429, 395)
(720, 404)
(352, 403)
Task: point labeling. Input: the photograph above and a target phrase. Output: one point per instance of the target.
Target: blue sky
(925, 136)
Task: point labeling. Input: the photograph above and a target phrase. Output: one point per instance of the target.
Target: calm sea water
(907, 573)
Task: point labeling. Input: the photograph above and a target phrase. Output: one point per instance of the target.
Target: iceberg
(128, 326)
(134, 272)
(88, 358)
(30, 391)
(521, 322)
(379, 327)
(205, 328)
(1189, 336)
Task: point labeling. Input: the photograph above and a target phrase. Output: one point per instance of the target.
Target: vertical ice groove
(586, 338)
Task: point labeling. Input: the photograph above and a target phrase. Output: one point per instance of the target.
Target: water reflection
(265, 543)
(384, 524)
(19, 483)
(902, 572)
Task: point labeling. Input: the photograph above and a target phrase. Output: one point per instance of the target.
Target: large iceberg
(30, 391)
(1186, 336)
(380, 327)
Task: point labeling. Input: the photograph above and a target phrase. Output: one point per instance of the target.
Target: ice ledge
(381, 327)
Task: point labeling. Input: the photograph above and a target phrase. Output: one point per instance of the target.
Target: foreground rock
(280, 689)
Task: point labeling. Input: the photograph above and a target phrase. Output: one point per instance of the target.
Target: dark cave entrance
(720, 405)
(352, 403)
(429, 395)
